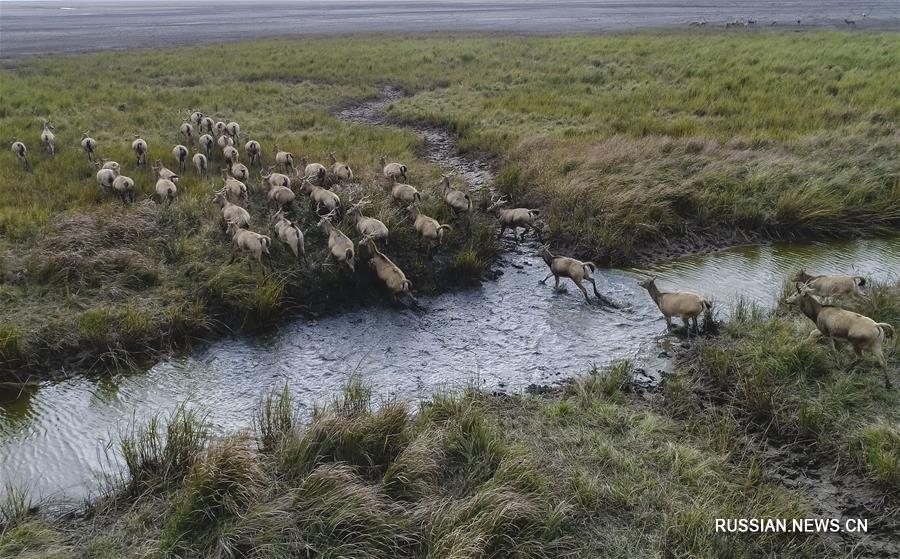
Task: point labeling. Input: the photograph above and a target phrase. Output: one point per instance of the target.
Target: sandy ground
(54, 27)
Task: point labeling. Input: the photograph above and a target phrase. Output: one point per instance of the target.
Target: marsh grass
(626, 140)
(762, 372)
(355, 478)
(585, 471)
(15, 507)
(161, 452)
(90, 283)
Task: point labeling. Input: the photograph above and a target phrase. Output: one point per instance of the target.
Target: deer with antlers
(340, 246)
(526, 218)
(368, 227)
(321, 198)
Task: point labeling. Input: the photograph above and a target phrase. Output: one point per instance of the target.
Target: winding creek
(505, 335)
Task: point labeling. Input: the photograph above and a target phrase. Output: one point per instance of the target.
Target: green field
(592, 469)
(622, 140)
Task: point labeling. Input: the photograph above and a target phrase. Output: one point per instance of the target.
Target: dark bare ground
(836, 494)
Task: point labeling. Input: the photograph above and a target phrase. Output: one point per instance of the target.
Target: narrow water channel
(505, 335)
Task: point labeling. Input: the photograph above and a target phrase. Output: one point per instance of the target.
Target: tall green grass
(354, 479)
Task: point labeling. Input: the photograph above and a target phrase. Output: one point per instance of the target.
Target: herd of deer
(832, 322)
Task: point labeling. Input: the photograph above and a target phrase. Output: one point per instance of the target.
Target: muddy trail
(509, 334)
(438, 144)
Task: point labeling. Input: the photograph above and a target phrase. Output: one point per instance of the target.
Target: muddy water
(505, 335)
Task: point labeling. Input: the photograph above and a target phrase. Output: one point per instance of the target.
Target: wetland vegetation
(628, 143)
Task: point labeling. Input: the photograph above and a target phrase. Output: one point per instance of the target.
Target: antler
(329, 215)
(358, 205)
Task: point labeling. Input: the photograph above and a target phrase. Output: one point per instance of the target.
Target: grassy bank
(88, 283)
(626, 141)
(584, 473)
(762, 374)
(632, 142)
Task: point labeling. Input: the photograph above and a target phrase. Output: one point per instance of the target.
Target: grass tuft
(160, 453)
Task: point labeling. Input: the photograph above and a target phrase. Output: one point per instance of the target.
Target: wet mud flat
(41, 28)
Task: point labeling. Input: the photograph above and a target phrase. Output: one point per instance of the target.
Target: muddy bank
(835, 493)
(694, 240)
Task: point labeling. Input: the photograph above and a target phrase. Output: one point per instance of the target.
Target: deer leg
(668, 321)
(583, 290)
(502, 231)
(546, 278)
(556, 287)
(594, 283)
(879, 353)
